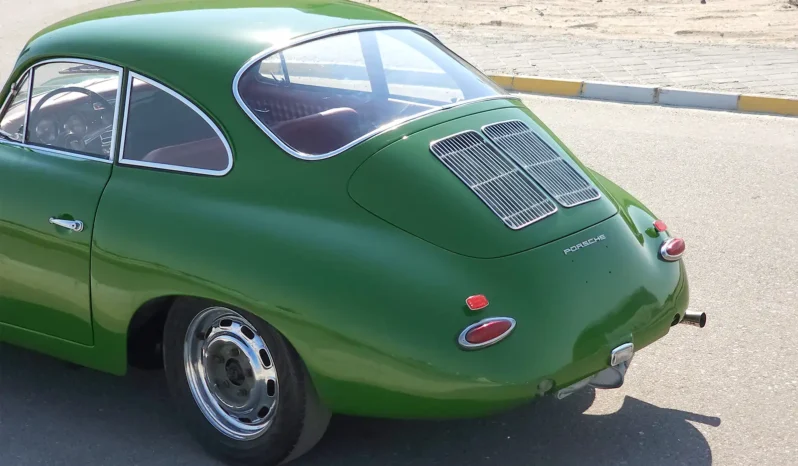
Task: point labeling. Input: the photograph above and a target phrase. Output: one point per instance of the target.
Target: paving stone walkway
(730, 68)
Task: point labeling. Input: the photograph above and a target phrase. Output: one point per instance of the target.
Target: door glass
(13, 122)
(164, 131)
(72, 108)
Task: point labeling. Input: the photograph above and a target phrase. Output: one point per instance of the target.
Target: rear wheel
(240, 386)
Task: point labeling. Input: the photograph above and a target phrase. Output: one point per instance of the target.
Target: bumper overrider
(620, 359)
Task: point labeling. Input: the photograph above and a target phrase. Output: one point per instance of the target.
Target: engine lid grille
(497, 181)
(541, 162)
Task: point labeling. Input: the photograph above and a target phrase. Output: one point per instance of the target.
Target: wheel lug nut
(235, 352)
(218, 359)
(226, 384)
(243, 392)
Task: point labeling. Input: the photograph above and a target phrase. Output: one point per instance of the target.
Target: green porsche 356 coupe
(305, 207)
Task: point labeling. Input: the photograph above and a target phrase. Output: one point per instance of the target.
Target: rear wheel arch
(145, 333)
(146, 329)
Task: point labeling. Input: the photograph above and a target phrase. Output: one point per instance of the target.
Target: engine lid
(414, 186)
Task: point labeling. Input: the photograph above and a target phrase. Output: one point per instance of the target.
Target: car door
(57, 137)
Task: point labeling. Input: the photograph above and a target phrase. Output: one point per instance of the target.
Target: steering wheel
(94, 97)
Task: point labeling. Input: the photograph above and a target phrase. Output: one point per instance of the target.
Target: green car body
(362, 261)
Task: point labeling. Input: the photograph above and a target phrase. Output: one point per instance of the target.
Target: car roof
(192, 45)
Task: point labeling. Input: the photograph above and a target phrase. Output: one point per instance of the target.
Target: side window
(12, 124)
(164, 130)
(72, 107)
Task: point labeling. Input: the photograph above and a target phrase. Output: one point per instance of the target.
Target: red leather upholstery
(321, 132)
(208, 154)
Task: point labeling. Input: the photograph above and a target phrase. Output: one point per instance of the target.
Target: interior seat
(208, 154)
(321, 132)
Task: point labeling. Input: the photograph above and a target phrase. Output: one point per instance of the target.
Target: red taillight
(660, 226)
(672, 249)
(477, 302)
(486, 332)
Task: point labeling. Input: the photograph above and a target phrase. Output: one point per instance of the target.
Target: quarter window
(12, 125)
(164, 130)
(72, 107)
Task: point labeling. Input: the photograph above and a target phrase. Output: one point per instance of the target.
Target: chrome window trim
(27, 103)
(44, 150)
(162, 166)
(332, 32)
(48, 150)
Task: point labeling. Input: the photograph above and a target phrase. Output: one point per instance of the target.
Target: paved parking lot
(725, 395)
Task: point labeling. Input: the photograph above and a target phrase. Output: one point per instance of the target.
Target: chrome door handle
(74, 225)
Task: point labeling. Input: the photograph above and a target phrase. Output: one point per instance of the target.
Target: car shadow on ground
(54, 413)
(548, 431)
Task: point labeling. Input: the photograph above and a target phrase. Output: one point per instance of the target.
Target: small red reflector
(477, 302)
(660, 226)
(672, 249)
(488, 331)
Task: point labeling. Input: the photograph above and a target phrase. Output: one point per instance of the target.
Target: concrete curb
(617, 92)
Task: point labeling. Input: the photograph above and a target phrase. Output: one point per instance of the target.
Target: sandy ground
(772, 22)
(765, 22)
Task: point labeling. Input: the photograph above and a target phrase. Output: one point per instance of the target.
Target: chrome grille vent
(541, 162)
(500, 184)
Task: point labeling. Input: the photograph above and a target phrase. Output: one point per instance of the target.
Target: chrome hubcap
(231, 373)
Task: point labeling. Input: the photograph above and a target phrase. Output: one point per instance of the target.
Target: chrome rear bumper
(611, 377)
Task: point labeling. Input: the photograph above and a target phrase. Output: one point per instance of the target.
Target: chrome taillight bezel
(465, 344)
(665, 255)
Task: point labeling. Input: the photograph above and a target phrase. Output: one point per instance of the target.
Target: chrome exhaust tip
(697, 319)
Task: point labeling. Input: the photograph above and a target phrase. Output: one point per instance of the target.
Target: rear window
(319, 97)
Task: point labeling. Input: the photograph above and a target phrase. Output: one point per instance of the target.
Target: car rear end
(575, 269)
(533, 275)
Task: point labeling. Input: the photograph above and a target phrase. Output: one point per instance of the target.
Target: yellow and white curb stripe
(617, 92)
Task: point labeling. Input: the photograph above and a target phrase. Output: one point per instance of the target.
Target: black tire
(300, 420)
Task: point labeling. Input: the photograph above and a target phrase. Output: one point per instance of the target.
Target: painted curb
(619, 92)
(549, 86)
(630, 93)
(768, 104)
(700, 99)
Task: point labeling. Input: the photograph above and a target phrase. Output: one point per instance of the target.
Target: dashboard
(81, 125)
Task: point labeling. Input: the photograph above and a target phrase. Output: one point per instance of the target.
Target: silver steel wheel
(231, 373)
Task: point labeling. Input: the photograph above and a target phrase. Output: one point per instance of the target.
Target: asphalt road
(728, 394)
